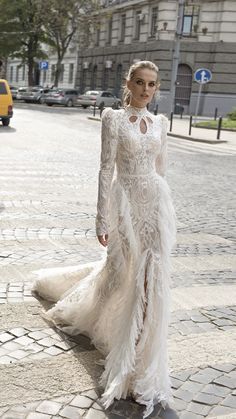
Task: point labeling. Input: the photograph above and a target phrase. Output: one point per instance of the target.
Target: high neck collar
(136, 111)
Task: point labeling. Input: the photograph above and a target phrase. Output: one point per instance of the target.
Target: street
(49, 160)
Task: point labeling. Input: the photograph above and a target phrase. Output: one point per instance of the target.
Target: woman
(122, 303)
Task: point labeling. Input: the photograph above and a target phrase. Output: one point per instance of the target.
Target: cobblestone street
(49, 163)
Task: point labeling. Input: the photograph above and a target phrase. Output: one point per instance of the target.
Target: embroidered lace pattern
(122, 302)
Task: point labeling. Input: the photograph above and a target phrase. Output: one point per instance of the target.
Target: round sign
(202, 75)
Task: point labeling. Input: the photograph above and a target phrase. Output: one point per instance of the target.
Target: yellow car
(6, 109)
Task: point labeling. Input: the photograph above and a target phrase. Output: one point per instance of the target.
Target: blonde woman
(122, 302)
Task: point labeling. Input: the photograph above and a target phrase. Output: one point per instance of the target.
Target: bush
(232, 115)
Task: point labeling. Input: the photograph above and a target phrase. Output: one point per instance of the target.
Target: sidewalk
(180, 128)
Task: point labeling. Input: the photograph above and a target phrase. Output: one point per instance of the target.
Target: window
(11, 72)
(154, 22)
(137, 24)
(109, 31)
(97, 36)
(190, 20)
(53, 71)
(122, 27)
(17, 73)
(71, 73)
(61, 73)
(3, 89)
(23, 73)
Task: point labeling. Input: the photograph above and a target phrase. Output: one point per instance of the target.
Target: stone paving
(47, 209)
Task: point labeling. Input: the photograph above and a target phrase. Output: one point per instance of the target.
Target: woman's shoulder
(110, 114)
(161, 119)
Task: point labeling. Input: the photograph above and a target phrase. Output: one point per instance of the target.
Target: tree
(22, 24)
(64, 19)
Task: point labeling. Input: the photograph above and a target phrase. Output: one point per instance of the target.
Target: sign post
(201, 76)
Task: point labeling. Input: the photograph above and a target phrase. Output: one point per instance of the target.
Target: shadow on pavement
(7, 130)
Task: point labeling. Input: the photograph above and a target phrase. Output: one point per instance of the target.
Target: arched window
(105, 80)
(94, 77)
(84, 79)
(118, 82)
(183, 85)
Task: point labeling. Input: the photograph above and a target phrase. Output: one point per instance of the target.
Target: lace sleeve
(107, 165)
(161, 161)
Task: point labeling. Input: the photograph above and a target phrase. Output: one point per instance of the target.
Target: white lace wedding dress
(122, 302)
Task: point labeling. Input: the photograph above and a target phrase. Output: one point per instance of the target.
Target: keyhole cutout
(143, 126)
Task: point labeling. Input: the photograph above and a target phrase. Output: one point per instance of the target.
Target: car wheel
(49, 104)
(69, 103)
(84, 106)
(6, 122)
(41, 100)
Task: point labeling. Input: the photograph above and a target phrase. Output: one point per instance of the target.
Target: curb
(93, 118)
(200, 140)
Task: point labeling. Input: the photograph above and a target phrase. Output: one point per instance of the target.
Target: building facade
(132, 30)
(137, 30)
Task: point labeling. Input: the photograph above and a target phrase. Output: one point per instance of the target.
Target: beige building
(138, 29)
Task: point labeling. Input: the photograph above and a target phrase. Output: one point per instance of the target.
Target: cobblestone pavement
(47, 211)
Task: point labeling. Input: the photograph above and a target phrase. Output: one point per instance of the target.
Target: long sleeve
(161, 161)
(107, 165)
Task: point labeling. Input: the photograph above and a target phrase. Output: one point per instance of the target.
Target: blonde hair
(130, 75)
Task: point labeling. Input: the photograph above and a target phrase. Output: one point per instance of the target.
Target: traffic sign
(202, 75)
(43, 65)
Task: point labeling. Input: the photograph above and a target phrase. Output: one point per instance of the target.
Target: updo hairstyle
(130, 75)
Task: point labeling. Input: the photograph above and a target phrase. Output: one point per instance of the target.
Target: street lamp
(176, 54)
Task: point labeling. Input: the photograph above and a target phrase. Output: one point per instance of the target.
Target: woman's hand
(103, 239)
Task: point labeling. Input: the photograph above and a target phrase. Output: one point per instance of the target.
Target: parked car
(20, 91)
(65, 97)
(34, 94)
(14, 91)
(6, 103)
(99, 98)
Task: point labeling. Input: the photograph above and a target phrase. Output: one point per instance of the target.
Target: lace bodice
(134, 141)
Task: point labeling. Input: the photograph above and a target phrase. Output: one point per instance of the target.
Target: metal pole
(171, 120)
(219, 128)
(190, 125)
(198, 102)
(176, 54)
(216, 111)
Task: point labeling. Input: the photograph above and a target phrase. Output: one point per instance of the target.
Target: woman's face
(142, 87)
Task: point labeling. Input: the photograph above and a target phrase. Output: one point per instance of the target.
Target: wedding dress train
(122, 302)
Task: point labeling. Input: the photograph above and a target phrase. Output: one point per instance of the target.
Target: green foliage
(226, 124)
(232, 115)
(21, 22)
(25, 25)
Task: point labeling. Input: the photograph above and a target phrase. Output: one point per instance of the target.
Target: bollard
(219, 127)
(101, 107)
(94, 109)
(190, 125)
(156, 110)
(171, 120)
(216, 112)
(181, 113)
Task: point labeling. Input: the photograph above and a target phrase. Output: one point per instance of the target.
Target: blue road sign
(43, 65)
(202, 75)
